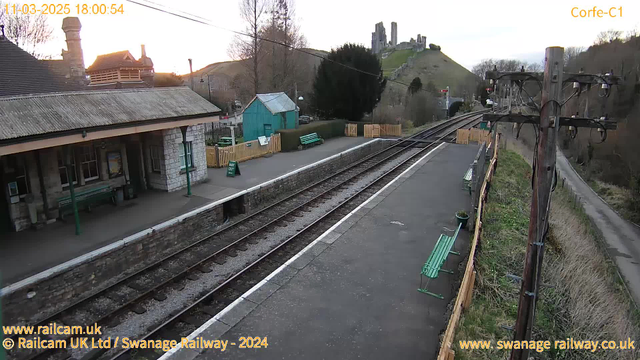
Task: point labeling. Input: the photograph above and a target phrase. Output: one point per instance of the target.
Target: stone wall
(283, 187)
(97, 270)
(172, 142)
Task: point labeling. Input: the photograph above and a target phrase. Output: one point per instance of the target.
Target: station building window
(156, 157)
(64, 173)
(89, 163)
(189, 156)
(18, 179)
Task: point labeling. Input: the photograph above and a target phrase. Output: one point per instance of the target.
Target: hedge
(290, 138)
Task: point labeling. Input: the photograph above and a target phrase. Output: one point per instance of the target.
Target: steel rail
(208, 295)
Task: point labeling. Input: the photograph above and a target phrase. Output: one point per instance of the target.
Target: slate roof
(21, 73)
(276, 102)
(115, 60)
(31, 115)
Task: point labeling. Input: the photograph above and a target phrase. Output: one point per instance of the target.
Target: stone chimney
(73, 56)
(144, 52)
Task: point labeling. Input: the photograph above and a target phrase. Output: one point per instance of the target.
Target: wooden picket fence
(465, 136)
(377, 130)
(465, 293)
(220, 156)
(351, 130)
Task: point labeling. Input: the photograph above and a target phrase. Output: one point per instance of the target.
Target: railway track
(158, 282)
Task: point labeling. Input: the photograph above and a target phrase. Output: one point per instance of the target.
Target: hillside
(394, 60)
(435, 66)
(229, 74)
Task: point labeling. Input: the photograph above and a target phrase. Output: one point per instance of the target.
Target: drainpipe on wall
(186, 160)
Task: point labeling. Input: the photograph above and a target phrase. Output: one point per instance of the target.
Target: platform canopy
(92, 114)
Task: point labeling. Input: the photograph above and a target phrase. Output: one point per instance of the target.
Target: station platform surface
(352, 293)
(29, 252)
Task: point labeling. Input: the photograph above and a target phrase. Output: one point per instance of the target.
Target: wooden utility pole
(545, 164)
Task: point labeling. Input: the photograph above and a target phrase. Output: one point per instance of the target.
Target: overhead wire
(203, 21)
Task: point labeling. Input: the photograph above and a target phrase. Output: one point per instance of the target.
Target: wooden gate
(372, 131)
(351, 130)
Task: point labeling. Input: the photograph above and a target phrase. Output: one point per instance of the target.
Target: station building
(129, 140)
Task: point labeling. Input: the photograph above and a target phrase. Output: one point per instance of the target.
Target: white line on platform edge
(242, 297)
(141, 234)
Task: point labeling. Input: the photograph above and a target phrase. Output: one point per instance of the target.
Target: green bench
(85, 199)
(466, 180)
(438, 256)
(310, 139)
(225, 141)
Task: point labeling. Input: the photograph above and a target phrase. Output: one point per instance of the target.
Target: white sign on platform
(263, 140)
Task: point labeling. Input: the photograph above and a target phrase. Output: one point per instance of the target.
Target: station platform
(29, 252)
(352, 293)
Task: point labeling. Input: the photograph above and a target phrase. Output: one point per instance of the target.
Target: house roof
(21, 73)
(32, 115)
(115, 60)
(276, 102)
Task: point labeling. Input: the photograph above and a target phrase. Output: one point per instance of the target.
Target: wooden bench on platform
(310, 139)
(85, 199)
(466, 179)
(438, 256)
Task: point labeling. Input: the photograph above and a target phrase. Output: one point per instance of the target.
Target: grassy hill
(434, 66)
(394, 60)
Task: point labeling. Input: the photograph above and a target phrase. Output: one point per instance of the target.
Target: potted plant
(462, 217)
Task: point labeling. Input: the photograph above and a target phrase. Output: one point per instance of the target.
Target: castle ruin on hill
(379, 41)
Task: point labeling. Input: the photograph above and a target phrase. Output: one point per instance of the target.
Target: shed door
(267, 130)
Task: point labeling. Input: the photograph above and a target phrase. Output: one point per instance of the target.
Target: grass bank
(619, 198)
(583, 297)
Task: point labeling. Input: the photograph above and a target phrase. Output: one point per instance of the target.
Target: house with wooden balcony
(120, 70)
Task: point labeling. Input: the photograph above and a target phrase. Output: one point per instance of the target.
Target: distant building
(121, 70)
(394, 34)
(268, 113)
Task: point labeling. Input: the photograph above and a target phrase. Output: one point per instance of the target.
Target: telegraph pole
(541, 199)
(549, 121)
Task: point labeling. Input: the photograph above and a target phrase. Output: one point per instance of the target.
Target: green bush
(290, 138)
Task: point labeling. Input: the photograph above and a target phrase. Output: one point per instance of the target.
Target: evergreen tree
(345, 93)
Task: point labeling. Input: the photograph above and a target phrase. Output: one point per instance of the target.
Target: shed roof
(30, 115)
(276, 102)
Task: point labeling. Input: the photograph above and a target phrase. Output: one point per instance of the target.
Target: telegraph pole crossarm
(564, 121)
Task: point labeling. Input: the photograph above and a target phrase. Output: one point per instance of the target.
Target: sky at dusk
(467, 31)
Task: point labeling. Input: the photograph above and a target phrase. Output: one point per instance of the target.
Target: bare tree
(482, 67)
(28, 31)
(248, 47)
(534, 67)
(571, 54)
(608, 36)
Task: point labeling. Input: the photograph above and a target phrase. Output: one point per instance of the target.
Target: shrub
(325, 129)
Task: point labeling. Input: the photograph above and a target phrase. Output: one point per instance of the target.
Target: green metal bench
(310, 139)
(438, 256)
(466, 180)
(85, 199)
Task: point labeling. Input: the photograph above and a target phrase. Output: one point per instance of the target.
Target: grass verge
(583, 299)
(617, 197)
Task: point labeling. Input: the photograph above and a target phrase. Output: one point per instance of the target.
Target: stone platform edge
(247, 302)
(132, 239)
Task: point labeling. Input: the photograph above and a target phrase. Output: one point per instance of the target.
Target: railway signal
(544, 174)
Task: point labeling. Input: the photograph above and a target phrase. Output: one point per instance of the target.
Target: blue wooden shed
(267, 113)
